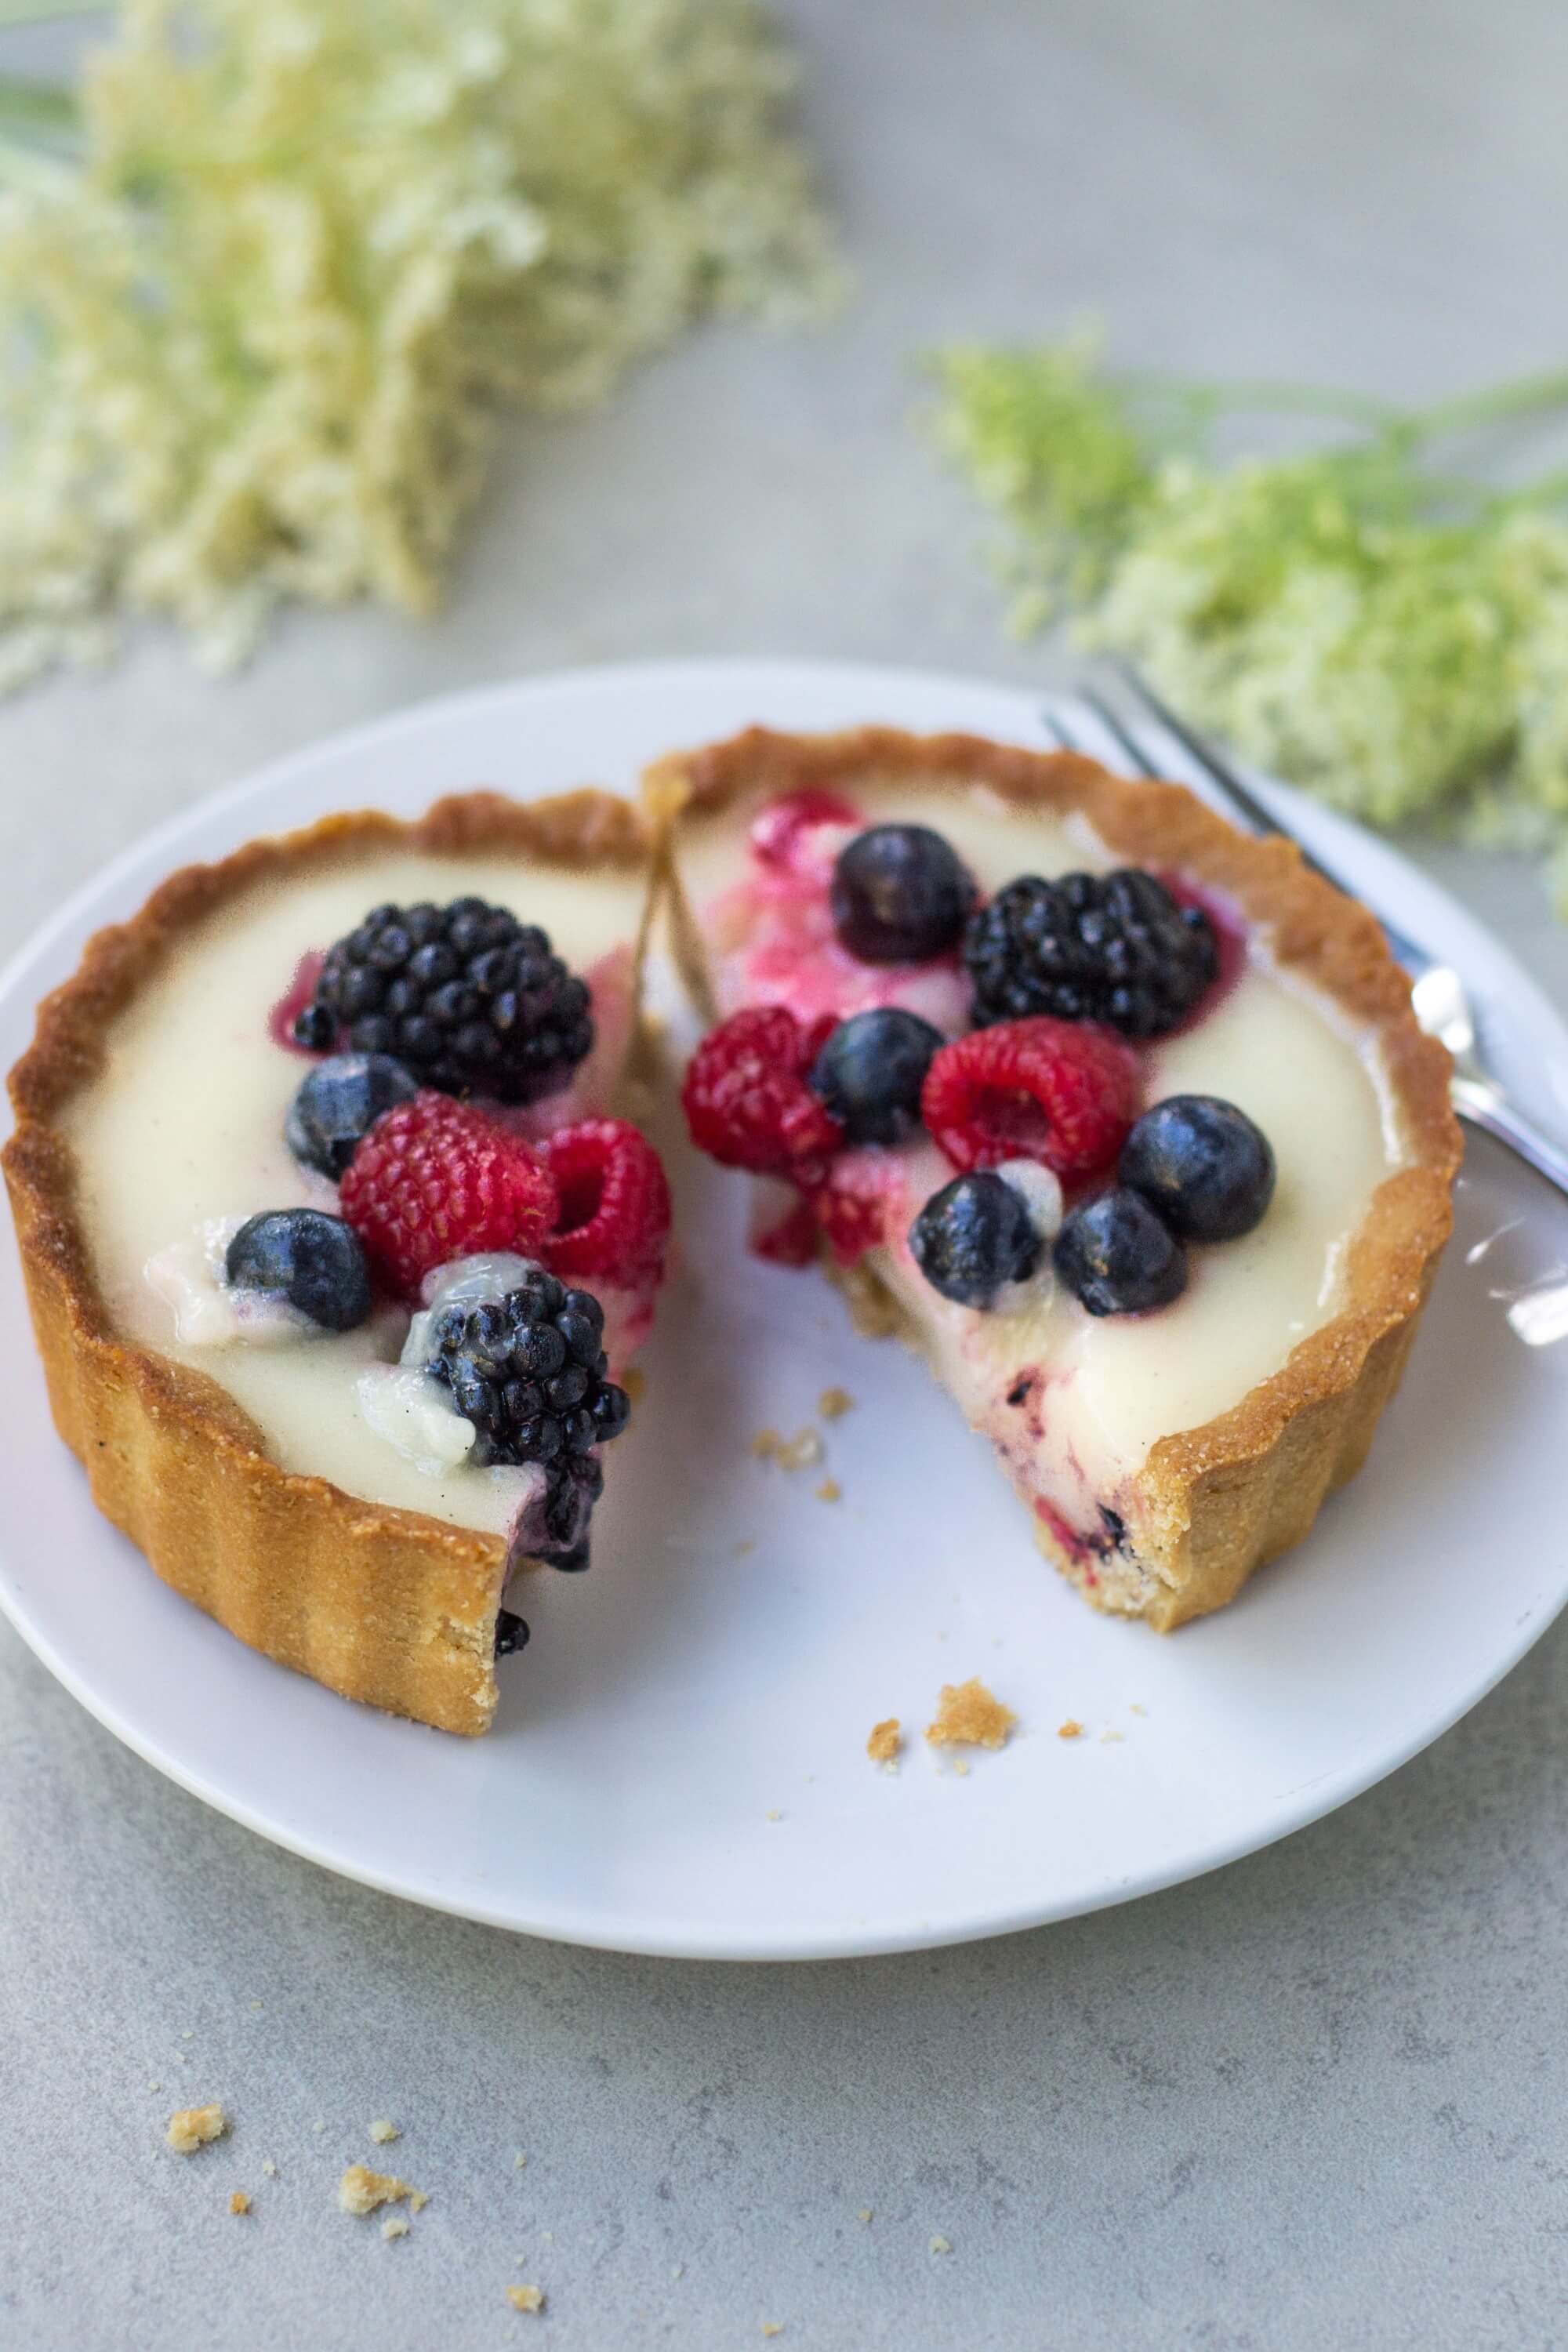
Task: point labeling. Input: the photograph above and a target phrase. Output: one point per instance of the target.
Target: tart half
(324, 1500)
(1173, 1411)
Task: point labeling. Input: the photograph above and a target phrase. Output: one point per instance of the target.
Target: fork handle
(1489, 1107)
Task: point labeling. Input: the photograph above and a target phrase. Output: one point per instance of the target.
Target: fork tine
(1228, 786)
(1110, 720)
(1219, 770)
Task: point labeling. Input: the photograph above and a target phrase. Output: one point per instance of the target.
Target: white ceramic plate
(679, 1765)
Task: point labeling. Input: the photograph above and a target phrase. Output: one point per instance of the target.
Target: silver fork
(1437, 994)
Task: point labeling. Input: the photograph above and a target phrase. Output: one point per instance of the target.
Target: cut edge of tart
(1216, 1500)
(385, 1604)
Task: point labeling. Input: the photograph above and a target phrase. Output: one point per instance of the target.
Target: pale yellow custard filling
(184, 1127)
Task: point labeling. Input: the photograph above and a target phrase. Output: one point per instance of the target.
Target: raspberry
(851, 1210)
(613, 1218)
(1057, 1091)
(746, 1100)
(434, 1180)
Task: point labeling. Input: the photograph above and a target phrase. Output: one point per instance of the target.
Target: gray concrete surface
(1316, 2101)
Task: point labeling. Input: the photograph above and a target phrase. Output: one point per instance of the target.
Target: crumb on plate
(970, 1716)
(941, 2246)
(834, 1403)
(194, 2127)
(830, 1491)
(361, 2190)
(381, 2131)
(239, 2202)
(886, 1742)
(1071, 1729)
(525, 2298)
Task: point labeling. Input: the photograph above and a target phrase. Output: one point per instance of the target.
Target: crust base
(386, 1606)
(1212, 1505)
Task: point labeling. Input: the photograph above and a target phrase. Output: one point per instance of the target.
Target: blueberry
(512, 1635)
(1203, 1164)
(337, 1101)
(1117, 1258)
(870, 1072)
(973, 1237)
(899, 894)
(314, 1260)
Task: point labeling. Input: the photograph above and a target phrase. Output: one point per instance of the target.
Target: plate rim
(669, 1938)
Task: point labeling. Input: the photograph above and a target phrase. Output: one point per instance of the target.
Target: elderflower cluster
(254, 346)
(1398, 648)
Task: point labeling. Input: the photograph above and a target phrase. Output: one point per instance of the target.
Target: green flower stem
(34, 106)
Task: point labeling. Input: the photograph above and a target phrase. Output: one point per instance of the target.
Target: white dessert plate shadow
(678, 1764)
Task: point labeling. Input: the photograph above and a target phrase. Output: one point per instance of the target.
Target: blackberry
(465, 996)
(528, 1371)
(1116, 947)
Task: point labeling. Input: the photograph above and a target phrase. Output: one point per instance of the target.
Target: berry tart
(334, 1243)
(1118, 1115)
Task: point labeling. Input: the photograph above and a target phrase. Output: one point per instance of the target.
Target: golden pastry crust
(1218, 1501)
(383, 1605)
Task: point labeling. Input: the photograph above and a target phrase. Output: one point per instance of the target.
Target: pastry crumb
(1107, 1737)
(941, 2246)
(394, 2226)
(834, 1403)
(320, 2127)
(830, 1491)
(801, 1451)
(864, 2214)
(189, 2034)
(525, 2298)
(239, 2202)
(886, 1742)
(1133, 1708)
(154, 2086)
(776, 1817)
(194, 2127)
(381, 2131)
(960, 1768)
(361, 2190)
(766, 1444)
(256, 2007)
(268, 2167)
(773, 2327)
(519, 2162)
(678, 2270)
(1071, 1729)
(970, 1716)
